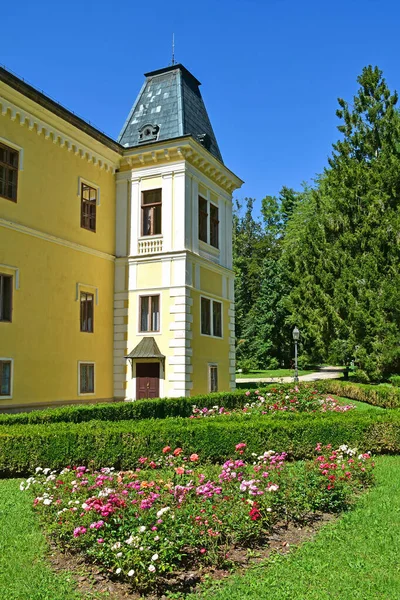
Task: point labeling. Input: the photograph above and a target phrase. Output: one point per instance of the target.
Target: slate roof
(146, 348)
(171, 105)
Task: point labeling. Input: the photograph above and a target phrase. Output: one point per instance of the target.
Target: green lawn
(24, 572)
(359, 405)
(355, 558)
(275, 373)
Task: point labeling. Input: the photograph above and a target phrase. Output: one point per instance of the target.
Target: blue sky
(271, 69)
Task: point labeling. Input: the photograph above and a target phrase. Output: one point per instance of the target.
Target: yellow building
(115, 256)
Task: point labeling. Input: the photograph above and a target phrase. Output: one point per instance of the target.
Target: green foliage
(329, 566)
(262, 334)
(384, 396)
(100, 443)
(158, 408)
(360, 376)
(395, 380)
(25, 573)
(339, 250)
(199, 512)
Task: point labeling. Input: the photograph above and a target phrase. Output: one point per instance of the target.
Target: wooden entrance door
(147, 380)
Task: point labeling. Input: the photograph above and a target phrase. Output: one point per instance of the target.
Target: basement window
(5, 377)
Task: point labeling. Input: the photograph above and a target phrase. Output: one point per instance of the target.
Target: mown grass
(24, 572)
(355, 558)
(363, 406)
(269, 374)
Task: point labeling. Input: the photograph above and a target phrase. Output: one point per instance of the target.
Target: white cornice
(55, 240)
(64, 140)
(182, 149)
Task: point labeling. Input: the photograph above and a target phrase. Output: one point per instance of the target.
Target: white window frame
(139, 302)
(8, 359)
(86, 362)
(90, 184)
(20, 149)
(215, 337)
(209, 377)
(209, 203)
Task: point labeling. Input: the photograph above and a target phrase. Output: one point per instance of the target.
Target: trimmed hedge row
(102, 443)
(380, 395)
(157, 408)
(161, 408)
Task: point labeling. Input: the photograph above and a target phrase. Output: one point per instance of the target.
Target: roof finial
(173, 49)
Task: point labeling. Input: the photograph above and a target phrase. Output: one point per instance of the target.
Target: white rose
(131, 572)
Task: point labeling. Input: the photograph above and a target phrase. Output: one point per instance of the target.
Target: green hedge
(102, 443)
(158, 408)
(161, 408)
(384, 396)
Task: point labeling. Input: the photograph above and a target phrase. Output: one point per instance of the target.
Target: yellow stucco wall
(207, 349)
(210, 281)
(44, 338)
(48, 197)
(148, 274)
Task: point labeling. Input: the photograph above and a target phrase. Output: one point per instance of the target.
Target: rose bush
(298, 399)
(172, 512)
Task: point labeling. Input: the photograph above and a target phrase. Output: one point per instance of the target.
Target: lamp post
(296, 336)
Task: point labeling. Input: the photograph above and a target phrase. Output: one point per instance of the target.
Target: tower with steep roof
(174, 311)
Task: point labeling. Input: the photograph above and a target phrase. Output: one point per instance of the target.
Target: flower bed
(172, 513)
(277, 400)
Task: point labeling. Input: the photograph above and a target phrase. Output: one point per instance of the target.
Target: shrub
(172, 512)
(395, 380)
(273, 364)
(379, 395)
(102, 443)
(247, 365)
(158, 408)
(360, 376)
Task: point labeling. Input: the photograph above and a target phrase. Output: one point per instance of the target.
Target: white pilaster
(166, 217)
(179, 211)
(134, 217)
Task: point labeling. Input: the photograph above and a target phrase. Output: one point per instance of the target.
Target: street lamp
(296, 337)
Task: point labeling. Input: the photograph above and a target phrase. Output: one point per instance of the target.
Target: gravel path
(323, 373)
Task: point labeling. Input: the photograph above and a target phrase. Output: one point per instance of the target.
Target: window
(88, 207)
(213, 378)
(203, 218)
(208, 227)
(87, 312)
(5, 297)
(151, 212)
(217, 319)
(206, 316)
(8, 172)
(214, 225)
(5, 378)
(211, 317)
(86, 378)
(149, 313)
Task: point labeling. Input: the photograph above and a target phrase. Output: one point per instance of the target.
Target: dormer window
(148, 133)
(205, 140)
